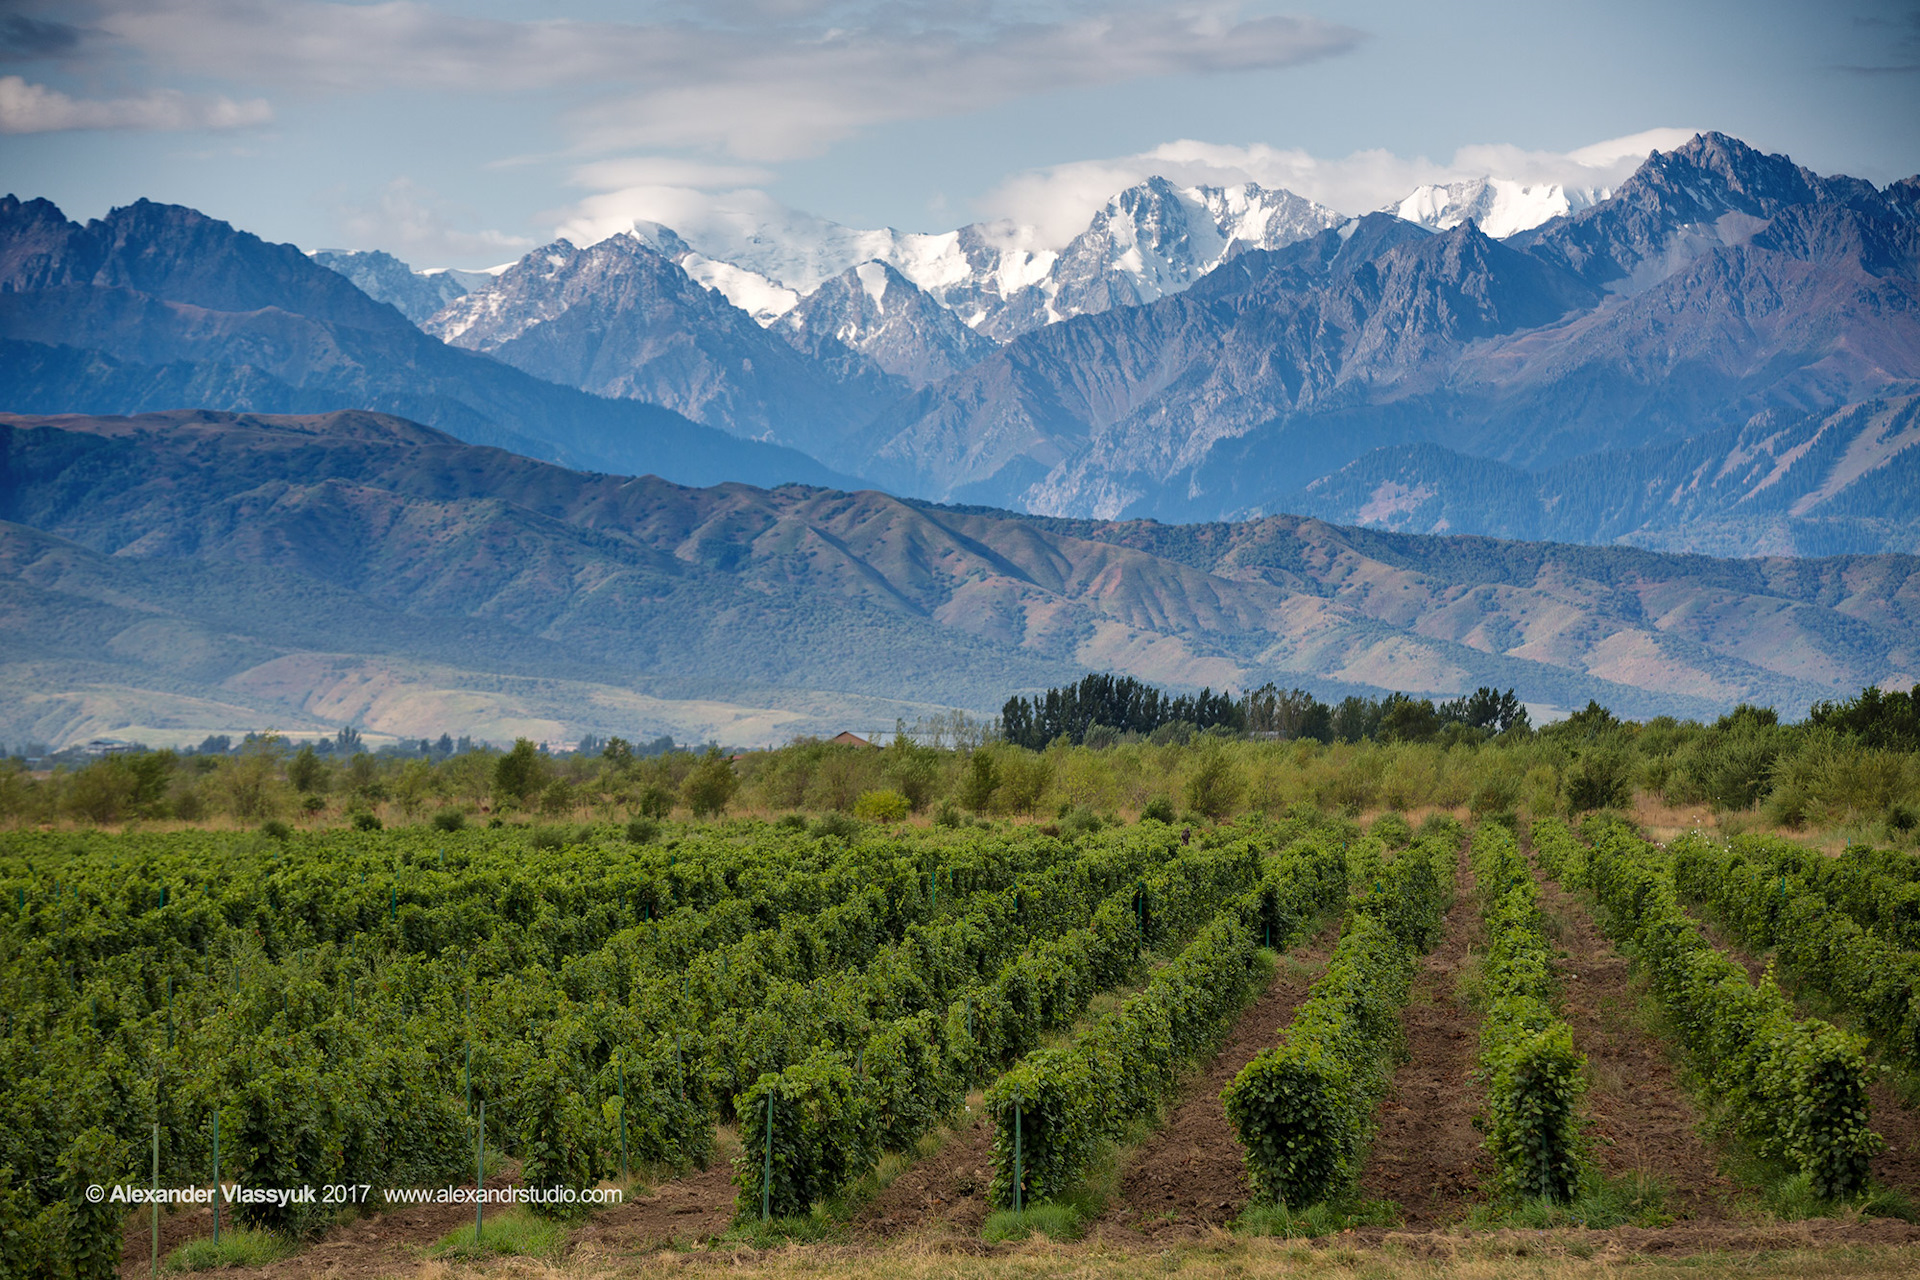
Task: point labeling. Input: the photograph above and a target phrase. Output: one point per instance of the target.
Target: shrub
(366, 820)
(642, 830)
(274, 829)
(1158, 809)
(449, 820)
(654, 801)
(547, 838)
(1216, 786)
(710, 786)
(881, 806)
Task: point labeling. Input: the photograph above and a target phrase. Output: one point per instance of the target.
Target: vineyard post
(679, 1066)
(156, 1199)
(480, 1173)
(766, 1172)
(470, 1078)
(1017, 1171)
(623, 1121)
(216, 1175)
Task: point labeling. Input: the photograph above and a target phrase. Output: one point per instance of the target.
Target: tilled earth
(1426, 1153)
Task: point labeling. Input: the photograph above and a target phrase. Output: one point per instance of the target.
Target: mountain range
(173, 574)
(1223, 436)
(1203, 353)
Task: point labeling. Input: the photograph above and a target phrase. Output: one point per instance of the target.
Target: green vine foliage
(337, 994)
(1303, 1111)
(1071, 1099)
(1796, 1089)
(88, 1235)
(825, 1134)
(1843, 928)
(1527, 1056)
(561, 1145)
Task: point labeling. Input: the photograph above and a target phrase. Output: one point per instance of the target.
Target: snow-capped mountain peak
(1499, 206)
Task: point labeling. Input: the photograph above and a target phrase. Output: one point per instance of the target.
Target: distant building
(849, 740)
(109, 747)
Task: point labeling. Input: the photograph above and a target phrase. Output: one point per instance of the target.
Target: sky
(464, 132)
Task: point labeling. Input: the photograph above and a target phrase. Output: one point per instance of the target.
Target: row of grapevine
(868, 1087)
(350, 1062)
(1774, 894)
(1527, 1056)
(1878, 888)
(1304, 1110)
(1053, 1109)
(1796, 1090)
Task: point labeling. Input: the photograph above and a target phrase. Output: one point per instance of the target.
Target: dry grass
(1508, 1256)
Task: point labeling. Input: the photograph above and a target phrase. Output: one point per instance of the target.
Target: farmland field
(1281, 1038)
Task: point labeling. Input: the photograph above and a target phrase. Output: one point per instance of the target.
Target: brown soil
(1642, 1121)
(378, 1245)
(946, 1190)
(685, 1210)
(1426, 1151)
(1190, 1176)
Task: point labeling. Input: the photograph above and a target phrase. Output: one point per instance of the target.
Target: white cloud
(1058, 201)
(761, 90)
(35, 108)
(406, 220)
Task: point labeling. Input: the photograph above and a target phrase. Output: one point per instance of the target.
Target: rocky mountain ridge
(190, 571)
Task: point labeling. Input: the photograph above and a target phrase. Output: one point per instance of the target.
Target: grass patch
(512, 1232)
(238, 1247)
(1329, 1217)
(1056, 1220)
(808, 1228)
(1636, 1200)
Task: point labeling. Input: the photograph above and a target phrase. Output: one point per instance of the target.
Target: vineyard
(873, 1031)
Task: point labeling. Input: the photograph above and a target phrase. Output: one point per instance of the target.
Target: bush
(449, 820)
(642, 830)
(710, 786)
(1158, 809)
(1216, 786)
(274, 829)
(547, 838)
(882, 806)
(366, 820)
(654, 801)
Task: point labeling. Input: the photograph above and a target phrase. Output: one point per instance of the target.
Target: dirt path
(684, 1210)
(1643, 1121)
(1189, 1176)
(1426, 1152)
(946, 1191)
